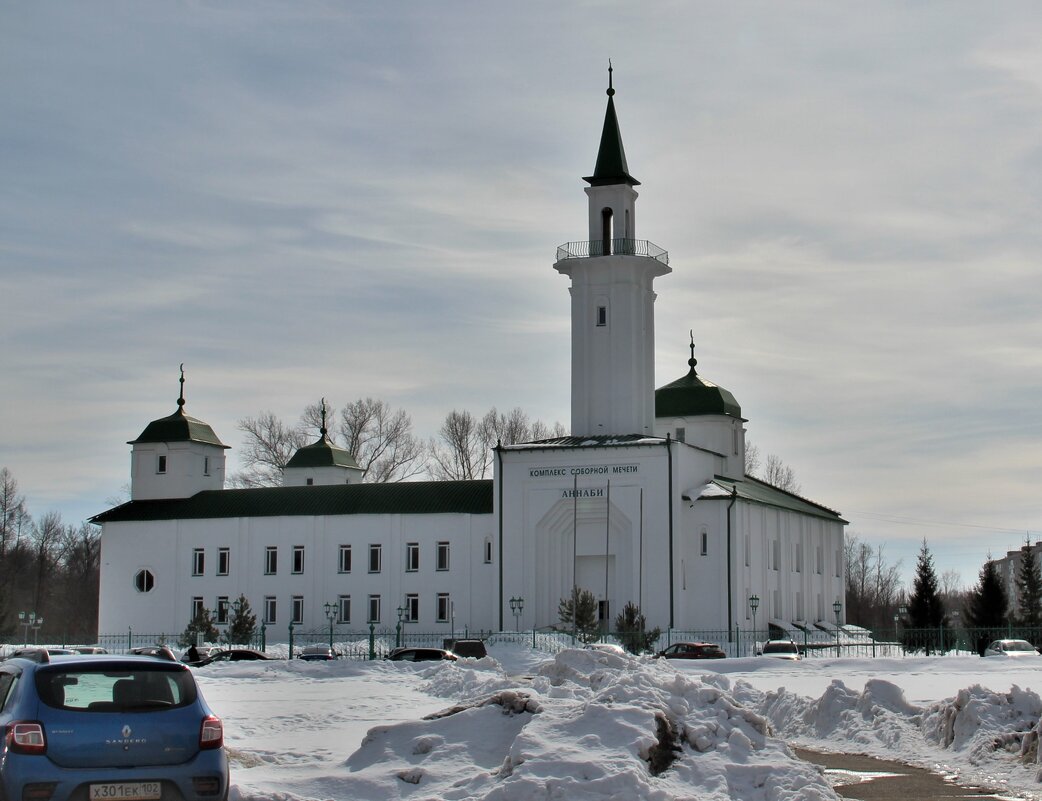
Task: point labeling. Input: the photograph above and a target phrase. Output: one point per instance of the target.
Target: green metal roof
(409, 497)
(691, 396)
(178, 427)
(611, 165)
(755, 491)
(322, 453)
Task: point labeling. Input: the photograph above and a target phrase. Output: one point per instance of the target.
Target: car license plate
(126, 791)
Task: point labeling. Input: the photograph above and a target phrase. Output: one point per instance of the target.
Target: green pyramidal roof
(611, 155)
(322, 453)
(178, 427)
(691, 396)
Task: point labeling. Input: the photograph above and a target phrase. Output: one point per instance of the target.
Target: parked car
(232, 655)
(474, 649)
(606, 647)
(780, 649)
(158, 651)
(197, 653)
(1010, 648)
(39, 654)
(108, 727)
(88, 649)
(692, 650)
(421, 655)
(318, 653)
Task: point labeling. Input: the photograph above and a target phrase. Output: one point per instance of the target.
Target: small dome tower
(321, 462)
(176, 457)
(698, 412)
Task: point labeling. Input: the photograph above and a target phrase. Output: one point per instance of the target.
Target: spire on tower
(692, 361)
(611, 155)
(324, 430)
(181, 397)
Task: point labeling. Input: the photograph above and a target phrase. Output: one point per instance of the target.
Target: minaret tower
(613, 302)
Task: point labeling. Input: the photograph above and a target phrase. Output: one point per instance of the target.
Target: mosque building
(646, 501)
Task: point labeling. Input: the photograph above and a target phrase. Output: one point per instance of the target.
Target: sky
(349, 200)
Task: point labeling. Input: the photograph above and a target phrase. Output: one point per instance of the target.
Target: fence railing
(612, 247)
(375, 643)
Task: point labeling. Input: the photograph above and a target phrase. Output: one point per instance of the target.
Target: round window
(144, 581)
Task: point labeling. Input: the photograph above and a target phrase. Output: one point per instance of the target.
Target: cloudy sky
(343, 199)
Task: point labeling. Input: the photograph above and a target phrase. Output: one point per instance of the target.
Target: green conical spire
(611, 155)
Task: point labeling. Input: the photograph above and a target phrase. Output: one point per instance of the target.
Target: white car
(1010, 648)
(781, 649)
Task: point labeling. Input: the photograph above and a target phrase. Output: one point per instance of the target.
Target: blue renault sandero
(107, 728)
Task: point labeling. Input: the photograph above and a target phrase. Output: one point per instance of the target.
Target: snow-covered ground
(588, 725)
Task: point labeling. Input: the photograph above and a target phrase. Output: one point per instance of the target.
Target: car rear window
(780, 648)
(103, 688)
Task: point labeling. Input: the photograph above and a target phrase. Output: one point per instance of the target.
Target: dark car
(318, 653)
(108, 727)
(474, 649)
(692, 650)
(40, 654)
(232, 655)
(421, 655)
(158, 651)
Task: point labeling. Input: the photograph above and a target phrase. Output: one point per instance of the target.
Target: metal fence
(375, 643)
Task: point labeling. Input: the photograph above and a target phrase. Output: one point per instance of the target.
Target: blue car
(107, 728)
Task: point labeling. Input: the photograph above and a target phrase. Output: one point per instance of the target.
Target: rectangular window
(488, 551)
(705, 543)
(224, 558)
(681, 433)
(271, 560)
(443, 556)
(602, 315)
(374, 609)
(412, 608)
(776, 554)
(374, 558)
(444, 607)
(206, 465)
(412, 557)
(271, 609)
(819, 559)
(345, 559)
(197, 607)
(799, 557)
(161, 464)
(602, 610)
(747, 550)
(298, 609)
(298, 558)
(222, 609)
(198, 561)
(343, 603)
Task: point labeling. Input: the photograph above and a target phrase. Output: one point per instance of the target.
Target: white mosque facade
(645, 502)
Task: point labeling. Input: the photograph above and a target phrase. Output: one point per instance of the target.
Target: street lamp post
(517, 606)
(26, 620)
(330, 616)
(837, 607)
(754, 604)
(398, 629)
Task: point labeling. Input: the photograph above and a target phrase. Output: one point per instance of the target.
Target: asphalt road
(898, 782)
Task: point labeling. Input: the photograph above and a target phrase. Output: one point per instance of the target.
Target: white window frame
(412, 607)
(375, 549)
(161, 464)
(343, 607)
(412, 557)
(298, 560)
(271, 609)
(297, 609)
(373, 609)
(222, 610)
(443, 562)
(224, 561)
(444, 609)
(271, 560)
(198, 561)
(344, 559)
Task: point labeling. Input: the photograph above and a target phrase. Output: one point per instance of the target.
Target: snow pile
(592, 725)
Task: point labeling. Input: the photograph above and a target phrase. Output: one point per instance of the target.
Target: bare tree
(49, 540)
(80, 562)
(780, 475)
(752, 459)
(268, 446)
(13, 516)
(873, 585)
(381, 440)
(461, 451)
(541, 430)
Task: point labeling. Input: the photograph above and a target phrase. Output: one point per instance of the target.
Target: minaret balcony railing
(612, 247)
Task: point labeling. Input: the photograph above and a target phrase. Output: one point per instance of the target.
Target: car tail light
(26, 737)
(211, 733)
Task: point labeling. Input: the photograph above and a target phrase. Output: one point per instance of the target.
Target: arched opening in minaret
(606, 230)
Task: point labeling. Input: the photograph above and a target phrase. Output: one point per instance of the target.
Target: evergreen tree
(987, 607)
(243, 624)
(631, 629)
(580, 614)
(1029, 589)
(925, 609)
(203, 623)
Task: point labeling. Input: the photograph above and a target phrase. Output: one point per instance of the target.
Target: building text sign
(608, 470)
